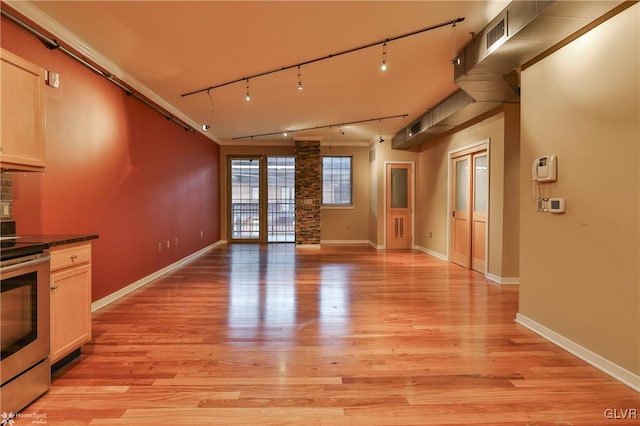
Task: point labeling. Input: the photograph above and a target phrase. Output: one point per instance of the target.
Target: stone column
(308, 192)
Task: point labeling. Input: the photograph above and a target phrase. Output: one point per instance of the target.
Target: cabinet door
(70, 310)
(22, 114)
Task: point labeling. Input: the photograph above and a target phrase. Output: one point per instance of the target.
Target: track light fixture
(380, 139)
(383, 67)
(330, 56)
(454, 59)
(299, 79)
(328, 126)
(247, 96)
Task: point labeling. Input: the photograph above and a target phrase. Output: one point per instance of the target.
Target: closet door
(480, 211)
(461, 213)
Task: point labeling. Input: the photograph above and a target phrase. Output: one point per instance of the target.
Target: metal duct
(487, 68)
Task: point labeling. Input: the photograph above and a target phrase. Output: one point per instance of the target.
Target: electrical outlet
(201, 233)
(159, 246)
(175, 242)
(168, 243)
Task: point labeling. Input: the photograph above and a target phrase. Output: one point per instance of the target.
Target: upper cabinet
(22, 121)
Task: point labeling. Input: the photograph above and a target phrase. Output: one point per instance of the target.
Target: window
(336, 181)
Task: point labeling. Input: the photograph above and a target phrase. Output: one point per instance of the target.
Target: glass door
(262, 199)
(281, 206)
(245, 217)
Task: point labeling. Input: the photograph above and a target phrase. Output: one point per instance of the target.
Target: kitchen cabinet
(70, 298)
(22, 121)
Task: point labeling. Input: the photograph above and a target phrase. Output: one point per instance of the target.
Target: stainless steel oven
(24, 330)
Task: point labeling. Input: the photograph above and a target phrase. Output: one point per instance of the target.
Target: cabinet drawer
(70, 256)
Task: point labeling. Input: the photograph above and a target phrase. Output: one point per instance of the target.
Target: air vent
(415, 128)
(496, 33)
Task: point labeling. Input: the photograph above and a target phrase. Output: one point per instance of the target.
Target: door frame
(481, 145)
(411, 195)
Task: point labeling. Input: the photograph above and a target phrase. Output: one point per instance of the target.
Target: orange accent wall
(115, 168)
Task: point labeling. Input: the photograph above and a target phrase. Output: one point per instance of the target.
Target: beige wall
(432, 195)
(349, 224)
(579, 270)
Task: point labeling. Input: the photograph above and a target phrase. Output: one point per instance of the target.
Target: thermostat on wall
(557, 205)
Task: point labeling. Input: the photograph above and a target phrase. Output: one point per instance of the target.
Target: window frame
(348, 205)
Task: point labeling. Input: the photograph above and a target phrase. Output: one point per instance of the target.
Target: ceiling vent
(494, 35)
(487, 68)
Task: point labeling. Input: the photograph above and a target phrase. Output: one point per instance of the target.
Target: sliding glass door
(245, 199)
(262, 199)
(281, 205)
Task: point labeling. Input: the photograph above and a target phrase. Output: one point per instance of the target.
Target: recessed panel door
(480, 209)
(461, 238)
(398, 205)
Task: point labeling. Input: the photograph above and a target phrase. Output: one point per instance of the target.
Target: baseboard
(101, 303)
(345, 242)
(619, 373)
(308, 246)
(432, 253)
(503, 280)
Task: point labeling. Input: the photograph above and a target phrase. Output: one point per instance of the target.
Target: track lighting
(383, 67)
(205, 127)
(327, 126)
(248, 96)
(455, 60)
(330, 56)
(380, 131)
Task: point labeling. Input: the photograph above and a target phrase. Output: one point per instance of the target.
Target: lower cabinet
(70, 299)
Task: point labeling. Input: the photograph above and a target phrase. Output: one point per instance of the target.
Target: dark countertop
(30, 244)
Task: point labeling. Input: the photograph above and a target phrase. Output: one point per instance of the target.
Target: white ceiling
(175, 47)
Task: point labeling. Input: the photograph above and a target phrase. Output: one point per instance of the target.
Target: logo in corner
(7, 418)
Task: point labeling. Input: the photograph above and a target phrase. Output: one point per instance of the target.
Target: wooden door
(461, 212)
(398, 206)
(480, 203)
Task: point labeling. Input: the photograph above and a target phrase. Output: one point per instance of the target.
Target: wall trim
(376, 245)
(619, 373)
(308, 246)
(107, 300)
(503, 280)
(346, 242)
(433, 253)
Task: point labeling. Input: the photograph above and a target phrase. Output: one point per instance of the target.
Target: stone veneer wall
(308, 191)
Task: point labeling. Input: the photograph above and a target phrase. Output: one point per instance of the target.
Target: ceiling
(176, 47)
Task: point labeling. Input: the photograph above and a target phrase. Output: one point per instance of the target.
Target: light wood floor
(271, 335)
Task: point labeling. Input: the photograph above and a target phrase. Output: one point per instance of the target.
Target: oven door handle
(27, 262)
